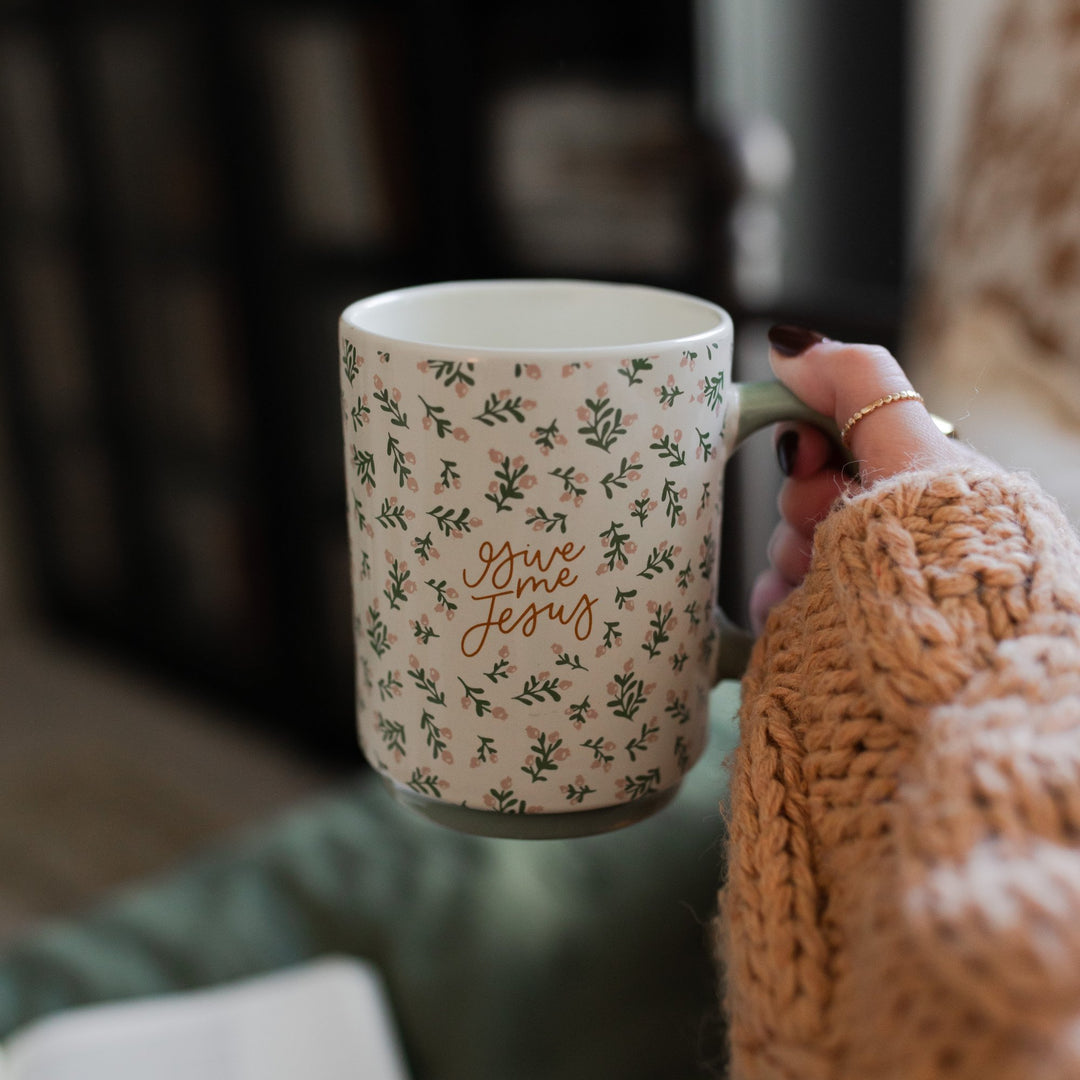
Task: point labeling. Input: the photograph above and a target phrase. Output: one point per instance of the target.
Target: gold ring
(866, 410)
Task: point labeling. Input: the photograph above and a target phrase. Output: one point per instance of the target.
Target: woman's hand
(838, 380)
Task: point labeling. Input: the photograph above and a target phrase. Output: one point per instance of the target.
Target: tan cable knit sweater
(903, 897)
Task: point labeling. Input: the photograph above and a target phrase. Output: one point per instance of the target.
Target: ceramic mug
(535, 474)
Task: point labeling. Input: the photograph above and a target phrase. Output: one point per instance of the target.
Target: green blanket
(505, 960)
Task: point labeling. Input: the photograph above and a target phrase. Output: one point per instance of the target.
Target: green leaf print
(539, 518)
(714, 390)
(348, 358)
(602, 422)
(434, 414)
(508, 477)
(669, 450)
(660, 558)
(449, 372)
(499, 410)
(537, 688)
(628, 470)
(392, 734)
(627, 695)
(637, 787)
(389, 404)
(391, 515)
(425, 782)
(631, 370)
(546, 752)
(450, 521)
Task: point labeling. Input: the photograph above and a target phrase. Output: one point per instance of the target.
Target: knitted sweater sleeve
(903, 892)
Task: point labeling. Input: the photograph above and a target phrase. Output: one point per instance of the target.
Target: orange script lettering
(504, 571)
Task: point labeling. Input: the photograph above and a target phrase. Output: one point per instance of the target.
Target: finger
(802, 449)
(789, 552)
(769, 589)
(839, 379)
(803, 503)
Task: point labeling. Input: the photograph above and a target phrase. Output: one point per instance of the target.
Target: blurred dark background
(190, 193)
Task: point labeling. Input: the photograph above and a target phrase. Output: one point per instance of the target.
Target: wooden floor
(106, 779)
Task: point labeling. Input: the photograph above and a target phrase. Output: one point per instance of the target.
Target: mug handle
(757, 405)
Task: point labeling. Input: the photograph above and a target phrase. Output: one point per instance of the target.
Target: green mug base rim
(545, 826)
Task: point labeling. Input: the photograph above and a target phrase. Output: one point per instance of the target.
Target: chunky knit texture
(903, 893)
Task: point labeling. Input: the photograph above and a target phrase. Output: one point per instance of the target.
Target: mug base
(555, 826)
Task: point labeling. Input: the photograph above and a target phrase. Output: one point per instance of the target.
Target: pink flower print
(678, 435)
(532, 371)
(461, 434)
(495, 456)
(378, 382)
(657, 431)
(527, 481)
(475, 523)
(600, 650)
(583, 414)
(500, 714)
(461, 389)
(628, 666)
(557, 649)
(601, 390)
(426, 423)
(609, 745)
(447, 757)
(412, 484)
(414, 661)
(651, 607)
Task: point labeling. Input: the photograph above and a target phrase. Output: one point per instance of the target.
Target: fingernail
(793, 340)
(787, 447)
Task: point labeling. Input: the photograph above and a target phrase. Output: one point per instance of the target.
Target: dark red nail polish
(787, 446)
(793, 340)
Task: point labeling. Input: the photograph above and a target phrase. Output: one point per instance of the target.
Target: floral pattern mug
(535, 475)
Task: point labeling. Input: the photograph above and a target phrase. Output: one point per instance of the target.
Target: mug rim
(352, 316)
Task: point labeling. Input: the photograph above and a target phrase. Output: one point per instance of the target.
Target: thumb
(839, 380)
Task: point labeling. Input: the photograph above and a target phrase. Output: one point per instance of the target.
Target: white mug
(535, 474)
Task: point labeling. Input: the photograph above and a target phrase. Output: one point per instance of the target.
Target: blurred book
(321, 96)
(325, 1020)
(593, 177)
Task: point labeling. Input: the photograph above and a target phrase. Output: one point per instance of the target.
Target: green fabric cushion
(526, 959)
